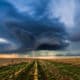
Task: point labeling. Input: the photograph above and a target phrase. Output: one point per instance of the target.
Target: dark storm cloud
(31, 29)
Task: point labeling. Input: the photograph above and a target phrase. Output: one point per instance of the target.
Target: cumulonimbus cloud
(28, 32)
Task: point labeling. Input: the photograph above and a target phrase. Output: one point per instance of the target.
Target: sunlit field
(40, 68)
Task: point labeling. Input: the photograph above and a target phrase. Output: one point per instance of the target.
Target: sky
(39, 25)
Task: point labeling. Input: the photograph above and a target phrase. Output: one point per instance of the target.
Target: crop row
(9, 72)
(60, 71)
(40, 70)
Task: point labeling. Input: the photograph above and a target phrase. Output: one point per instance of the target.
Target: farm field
(40, 69)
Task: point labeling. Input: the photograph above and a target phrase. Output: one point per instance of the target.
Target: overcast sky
(28, 24)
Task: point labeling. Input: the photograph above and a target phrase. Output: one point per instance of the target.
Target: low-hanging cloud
(29, 30)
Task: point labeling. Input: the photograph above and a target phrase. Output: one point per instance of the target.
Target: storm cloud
(30, 25)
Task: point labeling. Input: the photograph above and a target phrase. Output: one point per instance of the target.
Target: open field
(40, 68)
(9, 61)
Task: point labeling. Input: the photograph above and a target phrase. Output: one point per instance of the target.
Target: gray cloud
(30, 31)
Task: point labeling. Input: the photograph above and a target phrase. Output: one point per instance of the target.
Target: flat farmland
(62, 68)
(11, 61)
